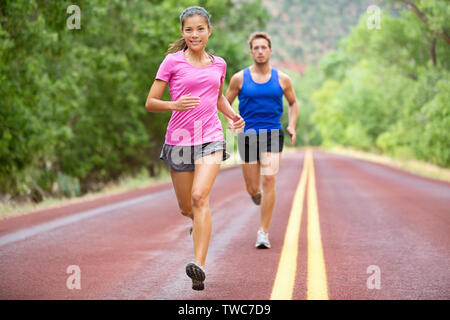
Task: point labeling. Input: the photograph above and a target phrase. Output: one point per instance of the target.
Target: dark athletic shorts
(182, 158)
(250, 145)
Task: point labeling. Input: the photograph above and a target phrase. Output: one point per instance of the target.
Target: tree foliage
(72, 107)
(387, 90)
(304, 30)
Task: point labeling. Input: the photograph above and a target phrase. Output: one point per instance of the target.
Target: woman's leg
(206, 170)
(182, 184)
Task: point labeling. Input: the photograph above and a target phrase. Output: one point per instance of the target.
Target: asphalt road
(342, 229)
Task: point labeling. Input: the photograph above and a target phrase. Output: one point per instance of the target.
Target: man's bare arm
(289, 93)
(234, 87)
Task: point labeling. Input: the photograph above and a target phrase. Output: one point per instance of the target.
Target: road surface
(342, 229)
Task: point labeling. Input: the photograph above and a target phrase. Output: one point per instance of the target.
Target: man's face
(260, 51)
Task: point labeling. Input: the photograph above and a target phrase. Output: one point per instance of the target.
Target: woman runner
(194, 144)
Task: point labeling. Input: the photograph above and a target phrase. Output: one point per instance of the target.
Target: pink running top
(201, 124)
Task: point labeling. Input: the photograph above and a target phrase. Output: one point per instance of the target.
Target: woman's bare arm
(155, 104)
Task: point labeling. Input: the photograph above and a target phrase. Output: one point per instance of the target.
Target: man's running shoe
(257, 198)
(262, 240)
(197, 274)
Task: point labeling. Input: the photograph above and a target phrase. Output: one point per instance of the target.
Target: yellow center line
(283, 286)
(317, 288)
(316, 282)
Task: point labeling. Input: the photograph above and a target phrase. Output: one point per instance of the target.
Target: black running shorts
(250, 145)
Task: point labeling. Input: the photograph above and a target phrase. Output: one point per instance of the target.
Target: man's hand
(292, 133)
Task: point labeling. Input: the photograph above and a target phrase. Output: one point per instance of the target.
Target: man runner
(260, 89)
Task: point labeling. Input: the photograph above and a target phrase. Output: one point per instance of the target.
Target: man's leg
(252, 177)
(248, 151)
(270, 163)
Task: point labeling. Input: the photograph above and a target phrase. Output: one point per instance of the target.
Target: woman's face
(196, 32)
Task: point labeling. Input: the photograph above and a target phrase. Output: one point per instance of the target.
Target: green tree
(72, 108)
(384, 90)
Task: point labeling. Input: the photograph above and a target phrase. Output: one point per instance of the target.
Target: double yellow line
(317, 288)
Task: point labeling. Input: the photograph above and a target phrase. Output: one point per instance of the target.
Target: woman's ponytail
(178, 45)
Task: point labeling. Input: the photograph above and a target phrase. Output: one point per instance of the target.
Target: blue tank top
(261, 104)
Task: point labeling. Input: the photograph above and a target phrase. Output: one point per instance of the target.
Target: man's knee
(268, 181)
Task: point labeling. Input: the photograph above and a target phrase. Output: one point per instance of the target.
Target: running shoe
(197, 274)
(257, 198)
(262, 240)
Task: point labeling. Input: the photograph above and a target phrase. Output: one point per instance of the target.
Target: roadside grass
(10, 209)
(414, 166)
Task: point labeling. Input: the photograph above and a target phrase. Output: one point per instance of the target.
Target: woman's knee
(253, 189)
(185, 207)
(199, 198)
(187, 213)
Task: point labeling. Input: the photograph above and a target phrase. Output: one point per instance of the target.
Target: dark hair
(180, 44)
(259, 35)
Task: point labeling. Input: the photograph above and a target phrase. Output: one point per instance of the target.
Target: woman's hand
(186, 102)
(236, 123)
